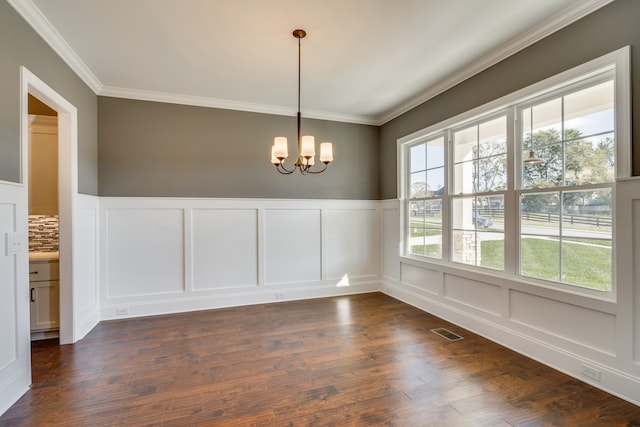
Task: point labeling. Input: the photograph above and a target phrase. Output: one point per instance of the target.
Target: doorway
(43, 221)
(67, 185)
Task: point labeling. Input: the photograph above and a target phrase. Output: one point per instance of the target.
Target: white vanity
(44, 282)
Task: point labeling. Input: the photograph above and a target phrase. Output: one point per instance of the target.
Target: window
(426, 191)
(566, 202)
(479, 181)
(524, 186)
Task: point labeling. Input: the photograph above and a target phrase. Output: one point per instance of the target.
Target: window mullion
(511, 205)
(446, 198)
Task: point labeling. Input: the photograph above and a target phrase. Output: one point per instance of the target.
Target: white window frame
(444, 208)
(508, 114)
(619, 60)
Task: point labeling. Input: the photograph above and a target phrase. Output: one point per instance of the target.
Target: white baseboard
(14, 388)
(182, 304)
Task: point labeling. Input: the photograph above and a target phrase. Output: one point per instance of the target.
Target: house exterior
(174, 208)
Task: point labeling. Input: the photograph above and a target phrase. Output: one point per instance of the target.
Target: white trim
(624, 158)
(34, 17)
(203, 101)
(619, 57)
(197, 302)
(67, 186)
(44, 124)
(52, 37)
(561, 20)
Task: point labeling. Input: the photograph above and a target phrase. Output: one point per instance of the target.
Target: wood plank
(354, 360)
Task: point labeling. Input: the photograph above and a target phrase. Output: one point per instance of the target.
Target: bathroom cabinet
(44, 296)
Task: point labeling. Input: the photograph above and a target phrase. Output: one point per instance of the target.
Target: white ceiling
(363, 61)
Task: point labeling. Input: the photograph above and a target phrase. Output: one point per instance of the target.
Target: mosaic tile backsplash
(44, 233)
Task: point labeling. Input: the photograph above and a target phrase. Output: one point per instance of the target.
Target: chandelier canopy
(305, 158)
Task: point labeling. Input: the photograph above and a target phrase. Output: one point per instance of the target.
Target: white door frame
(67, 184)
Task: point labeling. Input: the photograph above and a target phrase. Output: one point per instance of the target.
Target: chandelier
(306, 143)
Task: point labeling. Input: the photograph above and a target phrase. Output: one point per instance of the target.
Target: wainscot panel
(8, 349)
(391, 240)
(352, 243)
(15, 362)
(292, 246)
(565, 320)
(422, 279)
(481, 296)
(144, 252)
(86, 295)
(224, 248)
(627, 260)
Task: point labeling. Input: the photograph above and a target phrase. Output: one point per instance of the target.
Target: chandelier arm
(280, 168)
(326, 164)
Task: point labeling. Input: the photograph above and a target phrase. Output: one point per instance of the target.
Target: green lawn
(419, 232)
(434, 250)
(585, 265)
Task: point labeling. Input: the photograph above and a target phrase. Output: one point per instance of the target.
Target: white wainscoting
(477, 296)
(216, 263)
(144, 252)
(292, 246)
(15, 360)
(566, 321)
(560, 329)
(390, 252)
(352, 243)
(165, 255)
(85, 266)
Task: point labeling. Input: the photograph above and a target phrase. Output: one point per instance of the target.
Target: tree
(582, 161)
(547, 146)
(490, 170)
(419, 189)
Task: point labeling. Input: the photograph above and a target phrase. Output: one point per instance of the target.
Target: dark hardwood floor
(362, 360)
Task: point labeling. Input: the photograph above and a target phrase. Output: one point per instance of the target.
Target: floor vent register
(447, 334)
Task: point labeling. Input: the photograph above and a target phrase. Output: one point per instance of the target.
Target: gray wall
(612, 27)
(159, 149)
(20, 45)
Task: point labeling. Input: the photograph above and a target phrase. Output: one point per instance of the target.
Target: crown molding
(52, 37)
(201, 101)
(36, 120)
(43, 27)
(559, 21)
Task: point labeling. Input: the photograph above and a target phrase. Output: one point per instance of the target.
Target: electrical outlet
(279, 296)
(590, 372)
(122, 311)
